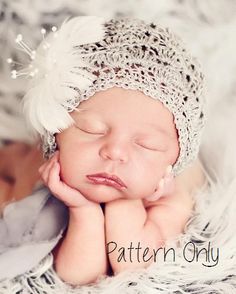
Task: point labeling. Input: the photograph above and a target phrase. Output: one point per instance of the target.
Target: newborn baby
(119, 108)
(129, 135)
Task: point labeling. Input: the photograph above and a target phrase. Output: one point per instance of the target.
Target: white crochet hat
(89, 54)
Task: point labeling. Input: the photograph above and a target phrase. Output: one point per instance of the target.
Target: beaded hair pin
(31, 53)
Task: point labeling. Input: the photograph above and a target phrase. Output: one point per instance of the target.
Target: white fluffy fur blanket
(209, 29)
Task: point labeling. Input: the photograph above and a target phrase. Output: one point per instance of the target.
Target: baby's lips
(170, 185)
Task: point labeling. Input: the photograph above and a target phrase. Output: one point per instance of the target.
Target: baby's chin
(100, 193)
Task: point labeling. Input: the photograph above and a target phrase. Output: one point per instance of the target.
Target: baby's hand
(50, 174)
(166, 186)
(76, 258)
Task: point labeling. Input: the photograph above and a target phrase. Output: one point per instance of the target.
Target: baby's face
(120, 132)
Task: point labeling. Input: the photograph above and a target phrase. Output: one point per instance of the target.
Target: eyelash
(151, 149)
(141, 145)
(91, 133)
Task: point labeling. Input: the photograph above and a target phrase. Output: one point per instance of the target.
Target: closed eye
(152, 148)
(89, 132)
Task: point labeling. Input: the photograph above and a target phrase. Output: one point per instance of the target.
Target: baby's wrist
(90, 212)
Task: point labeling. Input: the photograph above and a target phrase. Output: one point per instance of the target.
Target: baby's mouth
(106, 179)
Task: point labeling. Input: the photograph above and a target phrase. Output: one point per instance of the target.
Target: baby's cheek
(145, 186)
(67, 170)
(153, 173)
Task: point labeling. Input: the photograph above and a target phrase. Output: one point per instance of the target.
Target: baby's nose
(114, 150)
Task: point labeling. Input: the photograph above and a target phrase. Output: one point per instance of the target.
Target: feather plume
(57, 69)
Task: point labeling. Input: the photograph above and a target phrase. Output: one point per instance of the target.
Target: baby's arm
(80, 258)
(126, 221)
(180, 204)
(132, 221)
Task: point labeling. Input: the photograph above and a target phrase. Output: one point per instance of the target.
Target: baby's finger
(54, 176)
(158, 193)
(169, 185)
(42, 167)
(43, 173)
(46, 169)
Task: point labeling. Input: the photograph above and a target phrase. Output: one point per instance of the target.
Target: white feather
(59, 68)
